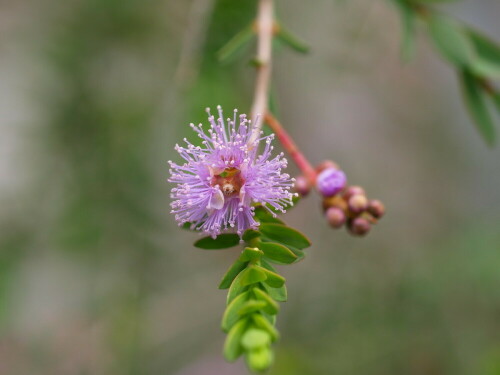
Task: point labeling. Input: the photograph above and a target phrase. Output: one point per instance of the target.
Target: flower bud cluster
(343, 205)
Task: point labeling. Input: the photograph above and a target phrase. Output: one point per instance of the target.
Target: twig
(265, 30)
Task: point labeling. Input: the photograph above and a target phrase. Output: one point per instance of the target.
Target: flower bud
(357, 203)
(302, 186)
(376, 208)
(353, 190)
(325, 165)
(330, 182)
(336, 217)
(335, 201)
(359, 226)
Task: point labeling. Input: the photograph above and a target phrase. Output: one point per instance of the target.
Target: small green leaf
(408, 19)
(488, 64)
(253, 275)
(285, 235)
(264, 324)
(277, 252)
(231, 315)
(250, 253)
(271, 307)
(278, 294)
(222, 241)
(236, 288)
(273, 279)
(259, 360)
(264, 216)
(475, 99)
(452, 40)
(235, 44)
(496, 101)
(231, 273)
(250, 234)
(255, 338)
(232, 345)
(292, 40)
(251, 307)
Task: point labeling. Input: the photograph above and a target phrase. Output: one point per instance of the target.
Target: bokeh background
(95, 277)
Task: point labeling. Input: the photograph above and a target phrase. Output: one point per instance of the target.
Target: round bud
(335, 201)
(302, 186)
(359, 226)
(357, 203)
(325, 165)
(376, 208)
(353, 190)
(336, 217)
(331, 181)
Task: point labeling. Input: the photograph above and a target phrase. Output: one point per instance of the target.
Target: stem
(265, 28)
(291, 148)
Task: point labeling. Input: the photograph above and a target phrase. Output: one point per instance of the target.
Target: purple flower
(223, 178)
(331, 181)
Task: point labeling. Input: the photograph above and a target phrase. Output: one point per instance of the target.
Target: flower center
(229, 181)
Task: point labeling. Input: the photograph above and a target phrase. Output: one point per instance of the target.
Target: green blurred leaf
(277, 252)
(408, 19)
(250, 234)
(278, 294)
(272, 307)
(232, 345)
(222, 241)
(231, 273)
(251, 306)
(475, 100)
(255, 338)
(261, 322)
(291, 40)
(488, 62)
(272, 278)
(253, 275)
(259, 360)
(285, 235)
(236, 288)
(250, 253)
(452, 40)
(231, 315)
(236, 44)
(264, 216)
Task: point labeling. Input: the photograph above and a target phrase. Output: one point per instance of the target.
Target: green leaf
(231, 315)
(222, 241)
(250, 253)
(271, 307)
(235, 44)
(232, 346)
(452, 40)
(259, 360)
(496, 101)
(255, 338)
(278, 294)
(285, 235)
(231, 273)
(264, 216)
(488, 64)
(253, 275)
(291, 40)
(236, 288)
(273, 279)
(250, 234)
(475, 99)
(408, 19)
(251, 306)
(277, 252)
(264, 324)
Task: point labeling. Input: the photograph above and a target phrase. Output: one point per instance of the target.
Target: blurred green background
(95, 276)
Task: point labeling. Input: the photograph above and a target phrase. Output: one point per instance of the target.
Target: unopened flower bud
(335, 201)
(325, 165)
(336, 217)
(357, 203)
(359, 226)
(376, 208)
(302, 186)
(330, 182)
(353, 190)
